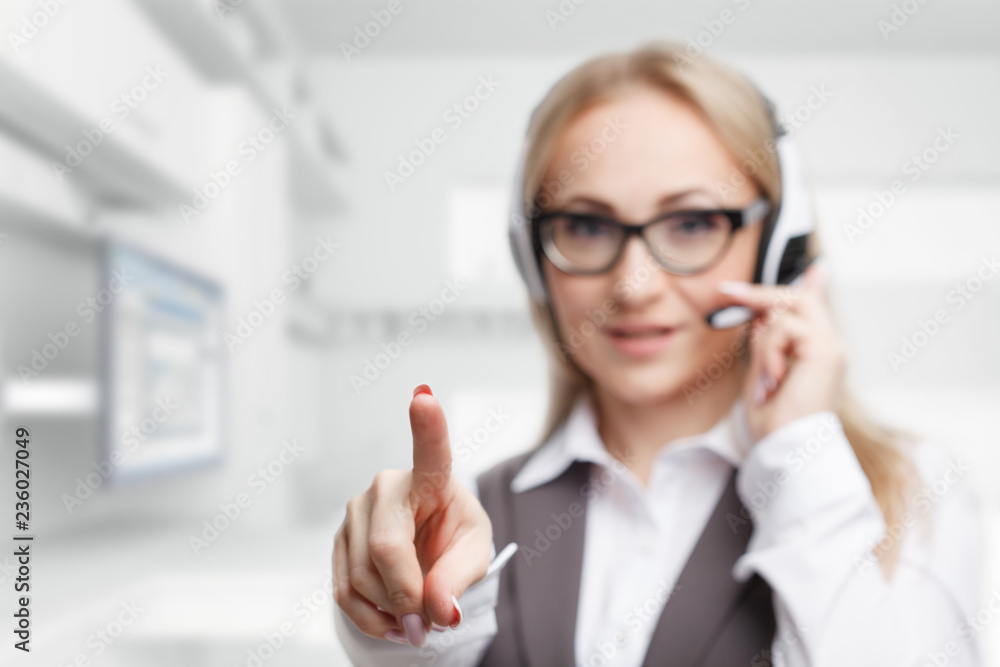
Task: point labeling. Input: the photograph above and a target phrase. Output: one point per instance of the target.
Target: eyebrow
(662, 204)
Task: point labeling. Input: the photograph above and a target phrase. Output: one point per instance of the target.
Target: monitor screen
(163, 353)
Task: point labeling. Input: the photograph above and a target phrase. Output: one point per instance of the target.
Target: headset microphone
(781, 258)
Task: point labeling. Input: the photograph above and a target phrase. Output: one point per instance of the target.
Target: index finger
(760, 297)
(431, 447)
(804, 295)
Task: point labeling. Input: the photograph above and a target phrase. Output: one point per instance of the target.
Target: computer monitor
(163, 378)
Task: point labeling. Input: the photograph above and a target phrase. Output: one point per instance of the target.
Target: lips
(641, 340)
(639, 330)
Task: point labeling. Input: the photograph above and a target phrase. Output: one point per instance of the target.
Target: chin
(639, 384)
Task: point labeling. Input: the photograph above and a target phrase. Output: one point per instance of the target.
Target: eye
(585, 227)
(696, 224)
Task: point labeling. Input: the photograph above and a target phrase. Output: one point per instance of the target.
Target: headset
(782, 256)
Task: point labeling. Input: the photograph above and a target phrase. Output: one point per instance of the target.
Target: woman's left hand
(797, 361)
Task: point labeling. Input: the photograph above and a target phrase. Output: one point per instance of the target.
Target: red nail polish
(458, 613)
(422, 389)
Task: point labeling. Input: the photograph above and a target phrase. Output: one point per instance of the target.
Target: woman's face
(664, 157)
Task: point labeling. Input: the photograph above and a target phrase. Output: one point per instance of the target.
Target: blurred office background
(199, 248)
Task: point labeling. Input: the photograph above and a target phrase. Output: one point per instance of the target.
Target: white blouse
(815, 524)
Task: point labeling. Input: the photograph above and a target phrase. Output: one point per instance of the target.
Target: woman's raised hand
(413, 541)
(797, 360)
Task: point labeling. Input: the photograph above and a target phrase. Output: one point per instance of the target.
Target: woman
(669, 444)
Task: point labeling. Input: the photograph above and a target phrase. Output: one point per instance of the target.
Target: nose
(638, 277)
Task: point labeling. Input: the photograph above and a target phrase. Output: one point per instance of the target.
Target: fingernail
(395, 635)
(415, 633)
(438, 628)
(458, 612)
(422, 389)
(769, 382)
(759, 390)
(733, 287)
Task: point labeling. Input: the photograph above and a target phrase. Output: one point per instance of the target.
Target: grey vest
(709, 620)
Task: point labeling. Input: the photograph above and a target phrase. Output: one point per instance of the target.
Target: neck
(635, 432)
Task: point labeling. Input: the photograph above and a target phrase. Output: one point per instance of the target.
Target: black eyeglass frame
(739, 218)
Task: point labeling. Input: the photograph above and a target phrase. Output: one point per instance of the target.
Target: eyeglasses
(683, 242)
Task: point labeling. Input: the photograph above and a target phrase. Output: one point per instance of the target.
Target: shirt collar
(577, 439)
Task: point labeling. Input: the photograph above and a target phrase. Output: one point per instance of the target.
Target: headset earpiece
(520, 236)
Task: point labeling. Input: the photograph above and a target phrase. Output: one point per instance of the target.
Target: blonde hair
(740, 116)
